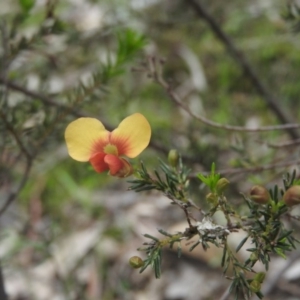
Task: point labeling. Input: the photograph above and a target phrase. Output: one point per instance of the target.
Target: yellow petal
(132, 136)
(85, 137)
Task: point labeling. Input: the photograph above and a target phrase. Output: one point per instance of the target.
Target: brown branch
(271, 101)
(11, 129)
(283, 164)
(22, 183)
(291, 143)
(35, 95)
(155, 73)
(3, 295)
(5, 46)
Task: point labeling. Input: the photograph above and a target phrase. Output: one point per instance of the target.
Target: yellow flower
(88, 140)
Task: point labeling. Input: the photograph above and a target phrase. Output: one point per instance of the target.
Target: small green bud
(259, 194)
(211, 198)
(136, 262)
(260, 277)
(292, 196)
(253, 257)
(255, 286)
(222, 184)
(173, 157)
(187, 183)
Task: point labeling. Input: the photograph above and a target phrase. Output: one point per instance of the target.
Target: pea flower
(88, 140)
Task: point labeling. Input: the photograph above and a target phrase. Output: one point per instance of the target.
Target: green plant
(263, 224)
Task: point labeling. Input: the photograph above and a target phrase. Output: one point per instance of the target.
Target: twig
(157, 77)
(237, 55)
(22, 183)
(283, 164)
(284, 144)
(3, 295)
(11, 129)
(35, 95)
(184, 207)
(5, 42)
